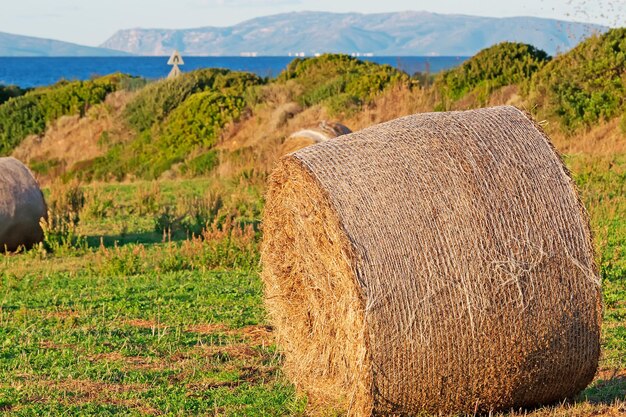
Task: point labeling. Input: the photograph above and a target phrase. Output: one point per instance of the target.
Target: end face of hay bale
(439, 262)
(311, 294)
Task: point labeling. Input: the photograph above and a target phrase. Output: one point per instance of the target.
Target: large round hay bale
(440, 262)
(22, 206)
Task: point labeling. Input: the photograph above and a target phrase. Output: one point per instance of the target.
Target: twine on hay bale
(440, 262)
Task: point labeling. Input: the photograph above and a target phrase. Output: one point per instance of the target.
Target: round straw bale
(436, 263)
(307, 137)
(22, 206)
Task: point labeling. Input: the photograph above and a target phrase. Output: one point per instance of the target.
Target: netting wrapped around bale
(440, 262)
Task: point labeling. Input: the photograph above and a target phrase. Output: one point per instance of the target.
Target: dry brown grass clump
(440, 262)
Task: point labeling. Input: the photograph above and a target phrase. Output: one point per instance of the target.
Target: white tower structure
(175, 60)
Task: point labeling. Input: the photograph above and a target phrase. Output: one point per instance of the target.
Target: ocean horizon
(28, 72)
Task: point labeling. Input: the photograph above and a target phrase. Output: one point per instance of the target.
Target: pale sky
(91, 22)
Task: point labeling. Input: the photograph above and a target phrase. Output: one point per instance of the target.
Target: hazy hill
(392, 34)
(18, 45)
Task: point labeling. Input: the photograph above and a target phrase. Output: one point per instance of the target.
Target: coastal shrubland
(10, 91)
(29, 114)
(154, 102)
(340, 82)
(585, 85)
(173, 120)
(504, 64)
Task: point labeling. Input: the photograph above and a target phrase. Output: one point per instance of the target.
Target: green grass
(86, 342)
(118, 327)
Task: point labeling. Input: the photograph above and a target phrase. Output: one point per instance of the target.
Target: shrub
(586, 84)
(201, 165)
(10, 91)
(175, 118)
(19, 118)
(503, 64)
(30, 113)
(199, 121)
(73, 97)
(194, 126)
(155, 102)
(339, 79)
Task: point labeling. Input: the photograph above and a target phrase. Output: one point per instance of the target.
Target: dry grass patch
(211, 328)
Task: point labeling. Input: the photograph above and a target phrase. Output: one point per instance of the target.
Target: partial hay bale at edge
(22, 206)
(440, 262)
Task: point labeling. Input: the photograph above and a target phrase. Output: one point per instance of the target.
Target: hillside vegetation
(179, 124)
(586, 85)
(501, 65)
(29, 114)
(10, 91)
(339, 82)
(174, 119)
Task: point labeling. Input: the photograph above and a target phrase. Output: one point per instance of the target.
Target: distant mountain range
(18, 45)
(391, 34)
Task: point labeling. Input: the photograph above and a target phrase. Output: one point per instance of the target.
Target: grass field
(138, 317)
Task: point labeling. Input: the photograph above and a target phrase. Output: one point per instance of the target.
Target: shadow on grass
(610, 387)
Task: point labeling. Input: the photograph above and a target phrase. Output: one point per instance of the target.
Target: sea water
(34, 72)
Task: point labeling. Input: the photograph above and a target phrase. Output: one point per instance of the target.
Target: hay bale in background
(307, 137)
(440, 262)
(22, 206)
(283, 113)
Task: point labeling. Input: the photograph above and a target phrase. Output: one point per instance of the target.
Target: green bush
(193, 126)
(503, 64)
(10, 91)
(199, 120)
(20, 117)
(202, 164)
(334, 80)
(30, 113)
(586, 84)
(155, 102)
(73, 97)
(175, 118)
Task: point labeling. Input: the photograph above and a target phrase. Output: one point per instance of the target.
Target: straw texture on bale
(22, 206)
(440, 262)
